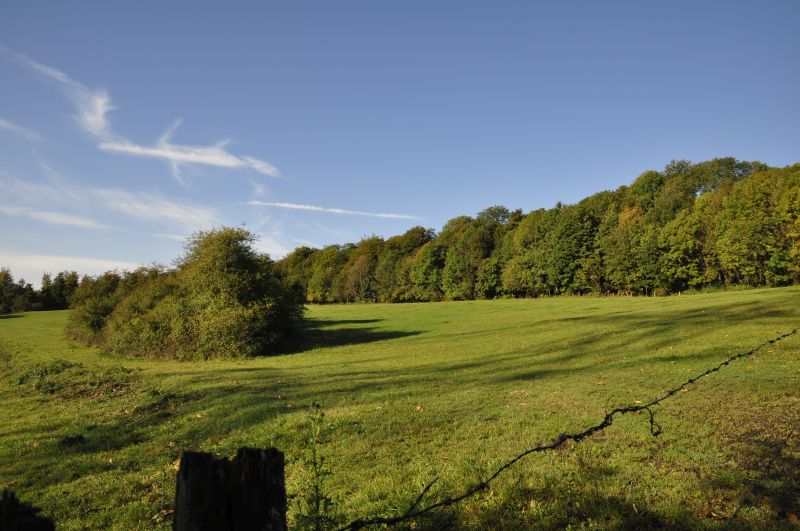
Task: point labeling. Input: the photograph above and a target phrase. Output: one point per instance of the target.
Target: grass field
(416, 391)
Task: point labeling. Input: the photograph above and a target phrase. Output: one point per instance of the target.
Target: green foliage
(16, 296)
(223, 300)
(296, 269)
(357, 280)
(568, 243)
(494, 215)
(644, 190)
(789, 212)
(682, 243)
(751, 244)
(326, 266)
(488, 284)
(426, 271)
(6, 290)
(516, 277)
(56, 292)
(153, 320)
(463, 260)
(393, 268)
(717, 223)
(316, 510)
(92, 304)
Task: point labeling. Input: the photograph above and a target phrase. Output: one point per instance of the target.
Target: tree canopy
(717, 223)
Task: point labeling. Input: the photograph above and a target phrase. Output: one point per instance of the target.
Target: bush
(223, 300)
(92, 303)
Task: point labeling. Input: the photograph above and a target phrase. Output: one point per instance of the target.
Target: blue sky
(126, 126)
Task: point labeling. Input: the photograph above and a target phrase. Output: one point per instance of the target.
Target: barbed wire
(415, 511)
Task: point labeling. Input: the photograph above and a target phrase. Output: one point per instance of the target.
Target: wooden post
(247, 493)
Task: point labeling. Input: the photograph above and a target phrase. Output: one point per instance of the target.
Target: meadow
(416, 391)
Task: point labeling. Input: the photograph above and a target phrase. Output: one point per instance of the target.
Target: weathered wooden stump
(247, 493)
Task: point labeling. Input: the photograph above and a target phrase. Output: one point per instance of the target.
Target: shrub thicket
(223, 299)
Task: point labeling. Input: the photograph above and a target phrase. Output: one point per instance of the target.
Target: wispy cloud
(94, 105)
(307, 243)
(271, 246)
(177, 215)
(53, 218)
(19, 130)
(173, 237)
(177, 154)
(28, 192)
(258, 189)
(340, 211)
(262, 167)
(155, 207)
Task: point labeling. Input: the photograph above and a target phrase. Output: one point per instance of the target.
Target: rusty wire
(415, 511)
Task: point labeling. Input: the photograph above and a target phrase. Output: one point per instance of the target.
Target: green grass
(417, 391)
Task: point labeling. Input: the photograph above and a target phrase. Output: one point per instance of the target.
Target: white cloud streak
(173, 237)
(178, 215)
(95, 105)
(92, 105)
(178, 154)
(155, 207)
(28, 192)
(262, 167)
(307, 243)
(53, 218)
(19, 130)
(339, 211)
(58, 183)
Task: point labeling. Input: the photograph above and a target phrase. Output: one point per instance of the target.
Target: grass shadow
(772, 470)
(558, 504)
(326, 333)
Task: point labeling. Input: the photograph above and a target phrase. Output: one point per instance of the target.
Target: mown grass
(417, 391)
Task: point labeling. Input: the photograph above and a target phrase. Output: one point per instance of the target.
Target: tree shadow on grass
(322, 323)
(325, 333)
(591, 512)
(11, 316)
(771, 466)
(559, 504)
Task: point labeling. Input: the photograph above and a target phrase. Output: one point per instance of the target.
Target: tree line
(718, 223)
(54, 294)
(713, 224)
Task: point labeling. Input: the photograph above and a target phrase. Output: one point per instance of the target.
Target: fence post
(247, 493)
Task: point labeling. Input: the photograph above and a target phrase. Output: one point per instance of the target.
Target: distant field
(416, 391)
